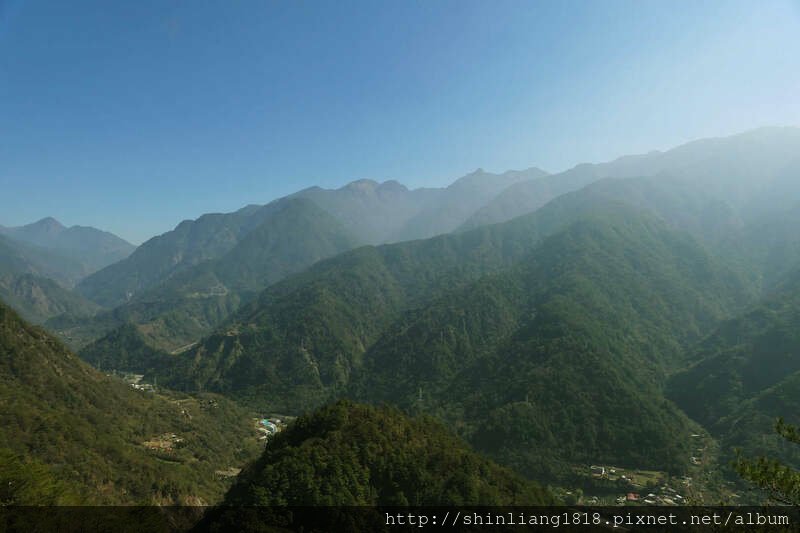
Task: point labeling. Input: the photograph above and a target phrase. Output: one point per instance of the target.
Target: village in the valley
(602, 484)
(167, 445)
(595, 484)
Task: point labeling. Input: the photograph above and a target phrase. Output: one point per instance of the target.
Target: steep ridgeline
(747, 374)
(38, 299)
(303, 337)
(295, 233)
(178, 286)
(676, 202)
(69, 434)
(17, 257)
(459, 201)
(561, 358)
(348, 454)
(25, 286)
(754, 173)
(369, 212)
(764, 248)
(89, 247)
(389, 212)
(481, 324)
(734, 194)
(290, 236)
(124, 349)
(190, 243)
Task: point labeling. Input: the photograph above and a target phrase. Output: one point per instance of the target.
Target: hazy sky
(131, 116)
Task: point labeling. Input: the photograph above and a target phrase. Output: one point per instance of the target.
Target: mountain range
(365, 211)
(175, 287)
(750, 172)
(433, 325)
(85, 249)
(73, 436)
(425, 326)
(41, 262)
(609, 314)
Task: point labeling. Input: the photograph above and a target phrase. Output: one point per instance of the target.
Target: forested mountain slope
(291, 236)
(329, 315)
(92, 248)
(74, 435)
(28, 283)
(366, 211)
(190, 243)
(484, 323)
(752, 173)
(38, 299)
(17, 257)
(459, 201)
(353, 463)
(380, 457)
(746, 375)
(550, 361)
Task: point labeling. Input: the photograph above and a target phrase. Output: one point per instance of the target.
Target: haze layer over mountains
(601, 315)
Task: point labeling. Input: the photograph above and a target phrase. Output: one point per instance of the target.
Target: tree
(781, 481)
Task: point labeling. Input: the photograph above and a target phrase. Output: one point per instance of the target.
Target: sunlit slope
(561, 358)
(351, 454)
(191, 299)
(85, 437)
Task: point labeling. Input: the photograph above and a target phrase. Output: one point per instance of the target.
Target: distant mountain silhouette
(90, 248)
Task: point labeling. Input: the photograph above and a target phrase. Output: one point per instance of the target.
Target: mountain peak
(392, 186)
(48, 224)
(362, 185)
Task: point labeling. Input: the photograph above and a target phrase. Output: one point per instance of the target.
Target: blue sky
(132, 116)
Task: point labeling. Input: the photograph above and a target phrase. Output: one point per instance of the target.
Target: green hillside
(292, 235)
(124, 349)
(350, 462)
(371, 211)
(190, 243)
(547, 363)
(746, 375)
(33, 281)
(72, 434)
(351, 454)
(481, 324)
(317, 325)
(38, 299)
(605, 327)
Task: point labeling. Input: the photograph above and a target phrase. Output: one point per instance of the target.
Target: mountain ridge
(96, 437)
(94, 249)
(320, 333)
(763, 145)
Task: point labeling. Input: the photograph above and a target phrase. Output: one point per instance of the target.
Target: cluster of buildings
(666, 496)
(268, 427)
(146, 387)
(135, 381)
(164, 443)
